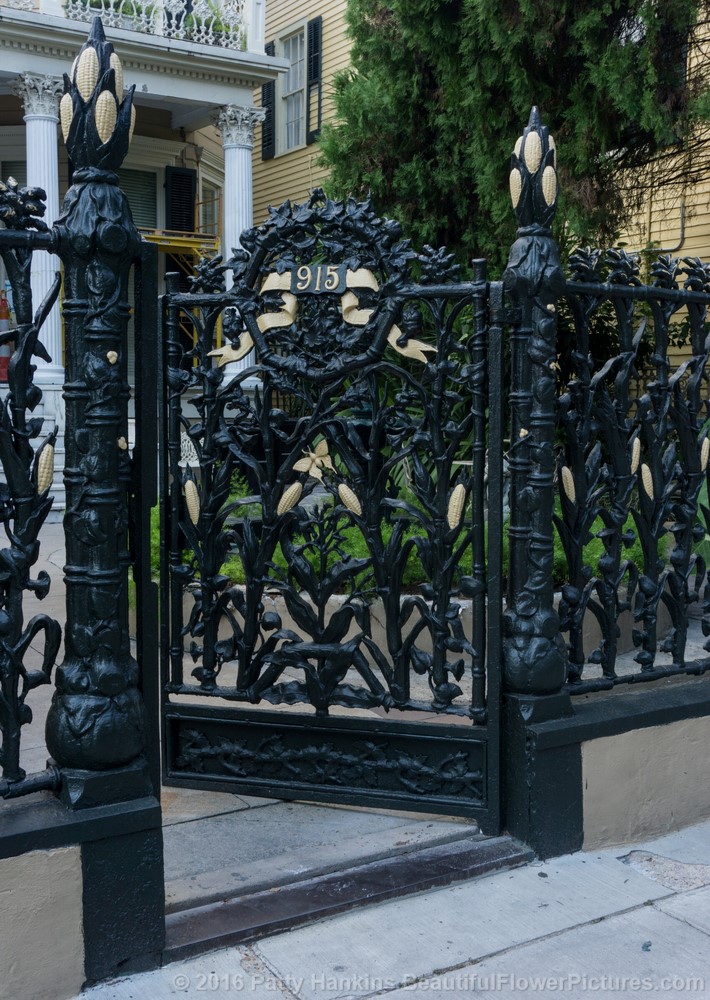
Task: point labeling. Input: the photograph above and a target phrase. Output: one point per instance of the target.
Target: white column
(40, 96)
(237, 127)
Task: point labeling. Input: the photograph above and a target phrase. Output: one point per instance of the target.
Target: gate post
(534, 655)
(96, 726)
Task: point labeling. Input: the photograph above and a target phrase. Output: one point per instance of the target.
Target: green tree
(439, 90)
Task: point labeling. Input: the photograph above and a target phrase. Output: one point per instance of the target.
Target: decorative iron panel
(354, 519)
(27, 462)
(632, 465)
(339, 759)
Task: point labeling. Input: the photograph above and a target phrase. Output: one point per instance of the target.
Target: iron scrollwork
(379, 376)
(633, 460)
(24, 495)
(368, 763)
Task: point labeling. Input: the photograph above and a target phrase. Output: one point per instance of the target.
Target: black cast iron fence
(633, 469)
(28, 466)
(288, 540)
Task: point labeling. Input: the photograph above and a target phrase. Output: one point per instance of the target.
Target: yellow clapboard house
(311, 36)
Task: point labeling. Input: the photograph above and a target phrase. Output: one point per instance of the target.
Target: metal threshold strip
(240, 919)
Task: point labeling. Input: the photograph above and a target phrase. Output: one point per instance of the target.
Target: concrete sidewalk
(620, 922)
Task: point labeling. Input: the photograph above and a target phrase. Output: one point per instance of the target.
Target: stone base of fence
(620, 767)
(83, 895)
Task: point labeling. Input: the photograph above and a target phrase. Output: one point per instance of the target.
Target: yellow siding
(675, 220)
(293, 174)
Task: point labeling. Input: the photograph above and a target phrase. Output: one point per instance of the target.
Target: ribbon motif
(287, 314)
(360, 279)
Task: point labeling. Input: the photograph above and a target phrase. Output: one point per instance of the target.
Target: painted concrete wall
(646, 783)
(41, 937)
(293, 174)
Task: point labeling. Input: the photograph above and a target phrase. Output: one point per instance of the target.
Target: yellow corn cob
(454, 514)
(115, 63)
(635, 456)
(122, 444)
(533, 151)
(647, 480)
(192, 500)
(290, 498)
(549, 185)
(111, 357)
(45, 468)
(516, 186)
(105, 115)
(705, 454)
(518, 147)
(349, 499)
(568, 484)
(87, 72)
(66, 113)
(133, 123)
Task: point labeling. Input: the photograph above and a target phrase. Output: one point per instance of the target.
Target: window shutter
(313, 80)
(180, 193)
(268, 103)
(140, 188)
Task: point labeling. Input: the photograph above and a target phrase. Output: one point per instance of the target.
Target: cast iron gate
(332, 519)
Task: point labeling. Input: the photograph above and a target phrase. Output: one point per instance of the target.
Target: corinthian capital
(39, 94)
(237, 125)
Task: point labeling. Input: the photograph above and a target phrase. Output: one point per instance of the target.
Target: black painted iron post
(535, 661)
(534, 654)
(97, 718)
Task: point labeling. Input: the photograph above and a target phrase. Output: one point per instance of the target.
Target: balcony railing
(210, 22)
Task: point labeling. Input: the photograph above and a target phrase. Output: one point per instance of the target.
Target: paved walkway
(613, 923)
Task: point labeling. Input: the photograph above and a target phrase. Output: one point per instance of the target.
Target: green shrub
(414, 575)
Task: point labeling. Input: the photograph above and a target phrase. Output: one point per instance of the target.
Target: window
(293, 103)
(294, 49)
(210, 209)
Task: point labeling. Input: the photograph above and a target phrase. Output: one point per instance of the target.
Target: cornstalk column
(534, 653)
(97, 717)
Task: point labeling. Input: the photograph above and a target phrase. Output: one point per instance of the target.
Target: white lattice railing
(211, 22)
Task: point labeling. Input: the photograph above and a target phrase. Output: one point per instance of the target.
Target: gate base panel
(388, 765)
